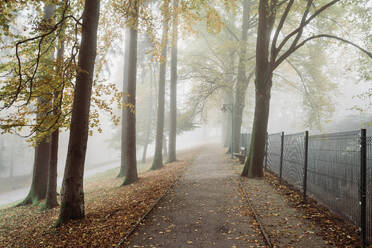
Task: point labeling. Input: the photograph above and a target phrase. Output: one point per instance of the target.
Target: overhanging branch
(289, 52)
(294, 32)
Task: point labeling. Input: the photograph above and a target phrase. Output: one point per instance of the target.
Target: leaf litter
(111, 211)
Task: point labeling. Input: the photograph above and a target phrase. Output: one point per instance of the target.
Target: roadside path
(204, 210)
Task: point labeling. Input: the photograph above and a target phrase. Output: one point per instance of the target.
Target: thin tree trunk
(149, 121)
(229, 100)
(242, 82)
(227, 119)
(123, 170)
(11, 173)
(158, 157)
(144, 152)
(253, 166)
(173, 89)
(51, 195)
(128, 141)
(72, 204)
(165, 150)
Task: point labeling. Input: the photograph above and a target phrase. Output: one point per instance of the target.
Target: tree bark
(229, 100)
(128, 139)
(227, 119)
(242, 82)
(123, 170)
(149, 121)
(39, 182)
(253, 166)
(158, 157)
(72, 204)
(173, 89)
(51, 195)
(165, 150)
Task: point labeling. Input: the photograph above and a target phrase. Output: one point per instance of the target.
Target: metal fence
(328, 167)
(274, 148)
(369, 190)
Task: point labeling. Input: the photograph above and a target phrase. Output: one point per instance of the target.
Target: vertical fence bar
(281, 158)
(363, 186)
(305, 164)
(267, 143)
(232, 130)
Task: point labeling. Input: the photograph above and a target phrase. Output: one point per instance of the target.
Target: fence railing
(335, 169)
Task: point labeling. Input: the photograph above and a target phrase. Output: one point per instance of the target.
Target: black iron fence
(335, 169)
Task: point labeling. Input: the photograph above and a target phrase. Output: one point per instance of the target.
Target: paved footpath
(205, 209)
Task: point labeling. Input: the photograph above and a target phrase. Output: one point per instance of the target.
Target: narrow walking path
(205, 209)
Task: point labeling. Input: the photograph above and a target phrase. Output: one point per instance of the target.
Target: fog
(201, 94)
(17, 158)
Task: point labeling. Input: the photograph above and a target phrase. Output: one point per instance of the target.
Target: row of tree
(56, 75)
(53, 77)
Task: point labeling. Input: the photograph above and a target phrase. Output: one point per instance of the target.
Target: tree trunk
(123, 170)
(144, 152)
(128, 138)
(253, 166)
(149, 121)
(51, 195)
(72, 204)
(11, 173)
(242, 82)
(165, 150)
(42, 150)
(227, 119)
(39, 175)
(158, 157)
(173, 89)
(229, 100)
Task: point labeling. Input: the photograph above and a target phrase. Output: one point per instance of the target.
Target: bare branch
(289, 52)
(300, 28)
(278, 29)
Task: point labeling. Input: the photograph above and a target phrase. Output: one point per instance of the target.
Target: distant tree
(158, 156)
(149, 119)
(242, 80)
(173, 87)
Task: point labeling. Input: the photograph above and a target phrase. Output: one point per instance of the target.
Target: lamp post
(229, 107)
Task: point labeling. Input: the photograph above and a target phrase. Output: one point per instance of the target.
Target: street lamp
(229, 107)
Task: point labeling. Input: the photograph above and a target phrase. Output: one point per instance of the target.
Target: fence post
(267, 143)
(281, 159)
(363, 177)
(305, 164)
